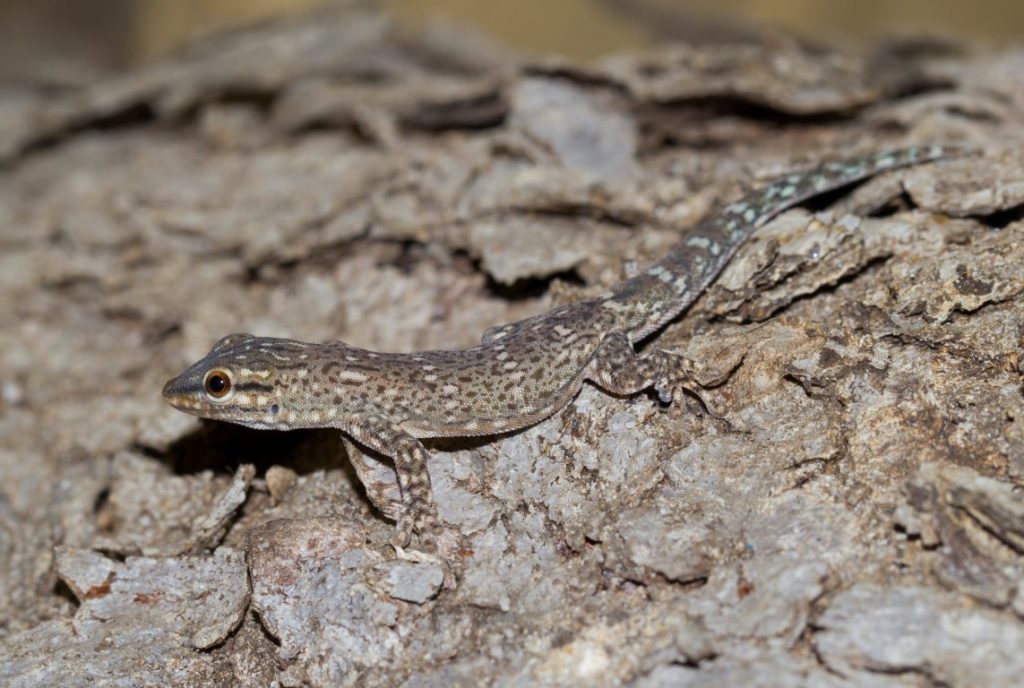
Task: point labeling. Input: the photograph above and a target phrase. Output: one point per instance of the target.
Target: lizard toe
(403, 533)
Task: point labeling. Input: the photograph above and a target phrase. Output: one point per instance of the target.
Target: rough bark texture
(839, 506)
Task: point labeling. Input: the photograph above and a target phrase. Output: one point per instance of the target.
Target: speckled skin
(520, 374)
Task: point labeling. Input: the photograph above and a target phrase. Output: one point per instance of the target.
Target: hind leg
(617, 368)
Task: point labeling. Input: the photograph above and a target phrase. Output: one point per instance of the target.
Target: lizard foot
(677, 374)
(403, 531)
(437, 545)
(450, 580)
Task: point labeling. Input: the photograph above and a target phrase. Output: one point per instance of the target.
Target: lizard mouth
(185, 394)
(174, 394)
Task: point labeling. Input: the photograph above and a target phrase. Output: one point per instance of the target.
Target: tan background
(113, 33)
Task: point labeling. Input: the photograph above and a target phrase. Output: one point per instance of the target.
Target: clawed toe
(437, 546)
(670, 390)
(666, 394)
(403, 533)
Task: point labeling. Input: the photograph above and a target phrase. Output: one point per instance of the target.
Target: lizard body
(518, 375)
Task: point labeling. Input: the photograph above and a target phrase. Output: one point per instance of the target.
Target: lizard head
(247, 380)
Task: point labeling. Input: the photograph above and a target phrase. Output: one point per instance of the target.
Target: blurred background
(74, 39)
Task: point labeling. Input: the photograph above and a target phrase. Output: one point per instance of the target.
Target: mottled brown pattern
(520, 374)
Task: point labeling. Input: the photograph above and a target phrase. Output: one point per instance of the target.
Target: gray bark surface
(839, 504)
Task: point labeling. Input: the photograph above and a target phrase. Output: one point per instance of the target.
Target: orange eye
(217, 384)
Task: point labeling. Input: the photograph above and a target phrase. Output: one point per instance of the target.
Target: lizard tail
(654, 297)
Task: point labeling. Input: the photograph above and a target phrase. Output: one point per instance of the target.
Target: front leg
(617, 368)
(417, 512)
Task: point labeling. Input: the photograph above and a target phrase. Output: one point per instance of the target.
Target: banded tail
(664, 290)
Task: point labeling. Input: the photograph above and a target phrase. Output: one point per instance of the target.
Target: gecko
(519, 374)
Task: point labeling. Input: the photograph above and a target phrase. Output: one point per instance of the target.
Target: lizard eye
(217, 384)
